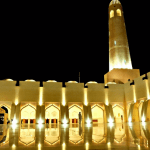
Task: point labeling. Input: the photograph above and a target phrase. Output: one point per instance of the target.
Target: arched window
(118, 12)
(111, 13)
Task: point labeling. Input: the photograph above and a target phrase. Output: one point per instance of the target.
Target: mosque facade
(123, 97)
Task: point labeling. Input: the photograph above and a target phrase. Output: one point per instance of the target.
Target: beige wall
(74, 92)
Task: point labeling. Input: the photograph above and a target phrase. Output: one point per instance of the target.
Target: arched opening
(118, 12)
(111, 13)
(118, 114)
(98, 134)
(4, 135)
(27, 136)
(52, 114)
(28, 114)
(52, 136)
(74, 113)
(97, 114)
(119, 133)
(4, 114)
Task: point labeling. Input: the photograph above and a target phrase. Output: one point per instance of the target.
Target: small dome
(72, 82)
(51, 81)
(30, 80)
(114, 2)
(90, 82)
(8, 79)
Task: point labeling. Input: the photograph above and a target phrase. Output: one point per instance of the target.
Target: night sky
(45, 44)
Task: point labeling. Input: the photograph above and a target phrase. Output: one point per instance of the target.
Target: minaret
(120, 66)
(119, 55)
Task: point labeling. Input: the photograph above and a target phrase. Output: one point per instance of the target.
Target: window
(118, 12)
(111, 13)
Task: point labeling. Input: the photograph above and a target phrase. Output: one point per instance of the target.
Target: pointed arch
(74, 112)
(118, 11)
(111, 13)
(118, 112)
(28, 113)
(52, 114)
(28, 105)
(97, 113)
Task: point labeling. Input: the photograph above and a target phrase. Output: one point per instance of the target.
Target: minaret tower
(120, 66)
(119, 56)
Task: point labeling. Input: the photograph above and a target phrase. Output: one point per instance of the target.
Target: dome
(72, 82)
(90, 82)
(8, 79)
(30, 80)
(114, 2)
(51, 81)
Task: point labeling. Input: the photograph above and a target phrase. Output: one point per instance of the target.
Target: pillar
(108, 114)
(12, 111)
(87, 114)
(40, 114)
(18, 114)
(64, 112)
(40, 135)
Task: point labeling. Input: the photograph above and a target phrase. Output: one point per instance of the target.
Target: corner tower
(119, 56)
(120, 66)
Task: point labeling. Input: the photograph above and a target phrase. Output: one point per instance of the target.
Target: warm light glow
(143, 118)
(65, 121)
(118, 12)
(109, 144)
(106, 97)
(110, 120)
(16, 95)
(147, 89)
(51, 81)
(30, 80)
(13, 146)
(9, 80)
(111, 13)
(90, 82)
(63, 97)
(134, 94)
(87, 146)
(88, 121)
(41, 96)
(63, 146)
(39, 146)
(85, 97)
(72, 82)
(40, 121)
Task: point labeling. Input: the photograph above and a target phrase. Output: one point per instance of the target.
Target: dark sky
(56, 44)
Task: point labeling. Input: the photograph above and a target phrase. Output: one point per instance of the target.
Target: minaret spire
(120, 66)
(119, 56)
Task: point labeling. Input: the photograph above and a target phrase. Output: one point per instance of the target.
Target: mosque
(123, 97)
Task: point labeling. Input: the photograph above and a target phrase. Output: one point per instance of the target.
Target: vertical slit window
(118, 12)
(111, 13)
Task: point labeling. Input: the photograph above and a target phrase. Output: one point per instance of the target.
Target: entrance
(3, 115)
(52, 114)
(97, 114)
(74, 114)
(118, 114)
(28, 114)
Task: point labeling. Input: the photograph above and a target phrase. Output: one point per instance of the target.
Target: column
(18, 113)
(108, 114)
(13, 108)
(87, 114)
(40, 114)
(39, 135)
(64, 112)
